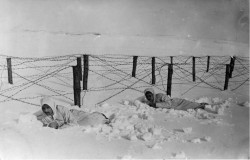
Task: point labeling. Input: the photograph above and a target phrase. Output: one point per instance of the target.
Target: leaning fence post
(9, 67)
(231, 66)
(76, 86)
(85, 71)
(79, 66)
(227, 76)
(134, 65)
(208, 61)
(169, 83)
(153, 70)
(193, 69)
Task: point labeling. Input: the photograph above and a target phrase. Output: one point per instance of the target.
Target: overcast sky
(26, 21)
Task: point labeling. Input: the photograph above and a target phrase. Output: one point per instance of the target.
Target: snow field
(135, 123)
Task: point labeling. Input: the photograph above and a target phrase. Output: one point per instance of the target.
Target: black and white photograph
(124, 79)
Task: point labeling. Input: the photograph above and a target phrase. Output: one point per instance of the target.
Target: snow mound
(206, 138)
(244, 104)
(125, 157)
(218, 109)
(131, 137)
(155, 130)
(93, 119)
(28, 119)
(104, 105)
(131, 122)
(196, 140)
(226, 103)
(179, 155)
(105, 129)
(137, 103)
(127, 102)
(146, 136)
(216, 105)
(187, 130)
(201, 114)
(200, 140)
(217, 100)
(180, 113)
(155, 146)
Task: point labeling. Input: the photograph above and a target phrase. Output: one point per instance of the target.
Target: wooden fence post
(134, 65)
(9, 67)
(79, 65)
(76, 86)
(85, 71)
(169, 83)
(153, 70)
(227, 76)
(171, 59)
(193, 69)
(208, 61)
(231, 66)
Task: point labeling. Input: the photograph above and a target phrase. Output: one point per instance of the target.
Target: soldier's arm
(163, 101)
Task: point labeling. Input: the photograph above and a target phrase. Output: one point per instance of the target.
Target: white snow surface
(136, 131)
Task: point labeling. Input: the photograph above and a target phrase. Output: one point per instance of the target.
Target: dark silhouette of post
(85, 71)
(208, 62)
(76, 86)
(169, 83)
(227, 76)
(134, 65)
(171, 59)
(193, 69)
(153, 70)
(231, 66)
(9, 67)
(79, 65)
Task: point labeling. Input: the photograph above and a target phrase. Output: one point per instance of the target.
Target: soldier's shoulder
(160, 94)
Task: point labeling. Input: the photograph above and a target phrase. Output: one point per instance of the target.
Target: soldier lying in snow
(161, 100)
(56, 116)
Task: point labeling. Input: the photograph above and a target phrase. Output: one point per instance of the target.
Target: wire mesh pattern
(34, 78)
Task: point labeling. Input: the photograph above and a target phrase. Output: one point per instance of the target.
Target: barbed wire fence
(33, 78)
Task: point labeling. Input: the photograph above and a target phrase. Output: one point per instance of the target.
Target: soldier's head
(47, 110)
(150, 96)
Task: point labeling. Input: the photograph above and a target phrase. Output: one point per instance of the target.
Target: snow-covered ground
(135, 132)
